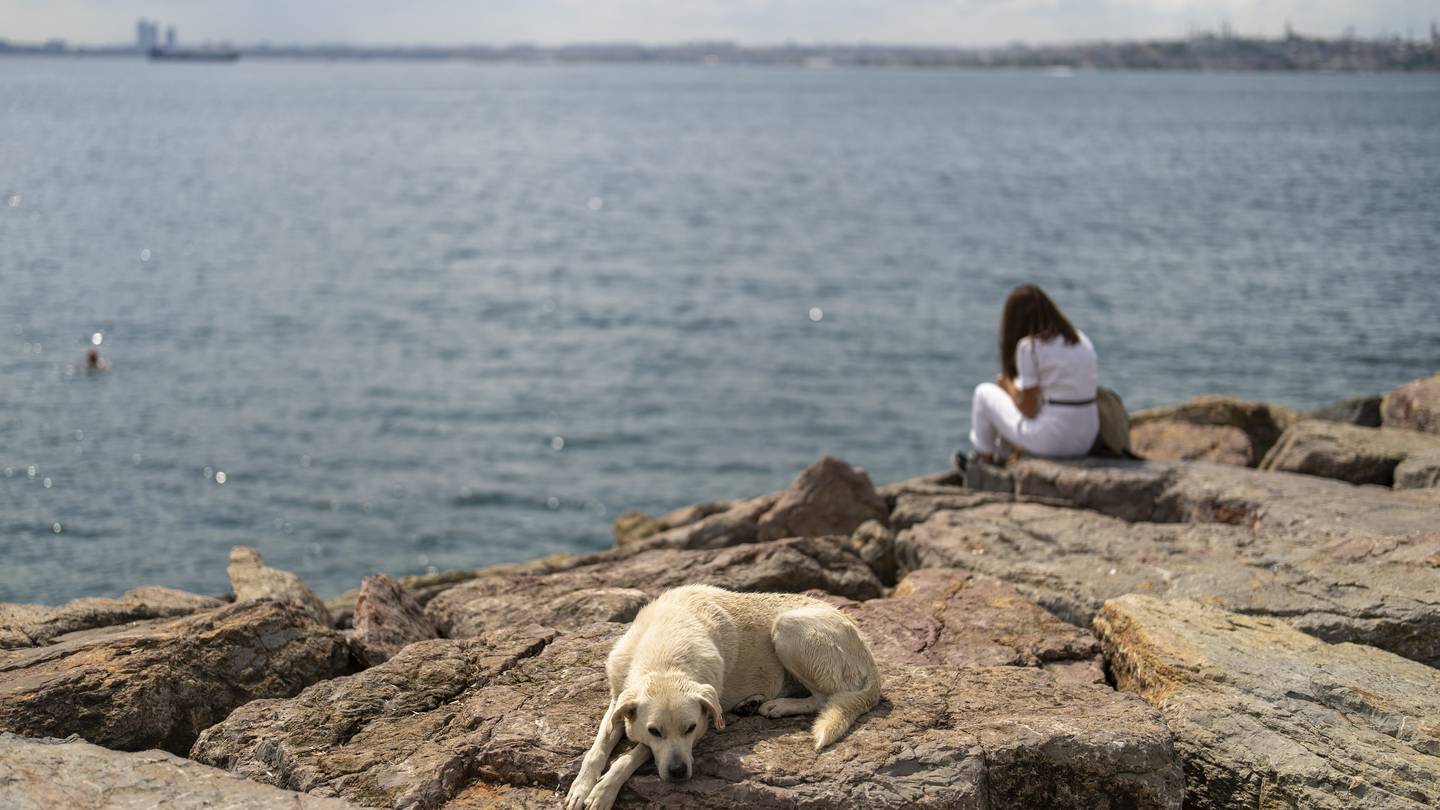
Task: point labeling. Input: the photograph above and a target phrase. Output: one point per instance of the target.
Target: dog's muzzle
(677, 772)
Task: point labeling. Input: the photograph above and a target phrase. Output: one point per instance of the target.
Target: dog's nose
(679, 771)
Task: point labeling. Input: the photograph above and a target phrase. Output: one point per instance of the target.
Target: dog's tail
(842, 709)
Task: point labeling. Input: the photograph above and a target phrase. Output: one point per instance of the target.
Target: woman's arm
(1027, 400)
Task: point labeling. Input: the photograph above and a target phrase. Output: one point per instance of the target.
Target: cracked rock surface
(1266, 716)
(157, 684)
(1071, 561)
(1314, 509)
(50, 774)
(948, 617)
(503, 719)
(31, 625)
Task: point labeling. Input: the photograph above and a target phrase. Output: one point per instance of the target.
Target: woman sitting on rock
(1043, 401)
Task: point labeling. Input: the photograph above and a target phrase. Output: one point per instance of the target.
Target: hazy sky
(967, 22)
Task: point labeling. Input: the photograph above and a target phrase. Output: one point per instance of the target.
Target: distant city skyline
(923, 22)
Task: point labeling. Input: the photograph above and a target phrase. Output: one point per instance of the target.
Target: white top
(1061, 370)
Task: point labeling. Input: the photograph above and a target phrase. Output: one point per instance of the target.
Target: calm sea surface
(436, 316)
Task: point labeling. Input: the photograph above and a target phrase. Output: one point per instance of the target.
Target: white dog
(695, 653)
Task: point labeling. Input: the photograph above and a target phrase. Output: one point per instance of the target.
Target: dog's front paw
(603, 795)
(580, 790)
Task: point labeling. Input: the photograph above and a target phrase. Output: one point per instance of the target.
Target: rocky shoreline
(1250, 618)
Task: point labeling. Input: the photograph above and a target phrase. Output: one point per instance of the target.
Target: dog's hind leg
(604, 793)
(612, 728)
(823, 649)
(748, 706)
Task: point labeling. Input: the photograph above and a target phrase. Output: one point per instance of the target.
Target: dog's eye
(654, 732)
(690, 729)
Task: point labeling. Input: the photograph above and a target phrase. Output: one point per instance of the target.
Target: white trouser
(996, 425)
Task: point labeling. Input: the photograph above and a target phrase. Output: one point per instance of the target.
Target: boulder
(157, 684)
(29, 625)
(1418, 471)
(1359, 455)
(387, 619)
(613, 585)
(1413, 406)
(631, 527)
(486, 722)
(1265, 716)
(1261, 422)
(48, 774)
(733, 526)
(1171, 440)
(251, 578)
(1362, 411)
(827, 498)
(874, 544)
(1375, 591)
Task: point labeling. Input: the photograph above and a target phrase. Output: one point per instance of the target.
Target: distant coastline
(1209, 52)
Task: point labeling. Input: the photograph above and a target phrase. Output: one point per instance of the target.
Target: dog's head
(668, 712)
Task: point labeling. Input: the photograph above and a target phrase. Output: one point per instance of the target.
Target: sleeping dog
(695, 653)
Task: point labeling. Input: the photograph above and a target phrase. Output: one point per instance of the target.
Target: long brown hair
(1029, 312)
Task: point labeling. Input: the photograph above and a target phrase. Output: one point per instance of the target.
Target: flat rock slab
(475, 723)
(1198, 492)
(157, 684)
(614, 585)
(29, 625)
(49, 774)
(949, 617)
(1359, 455)
(1266, 716)
(1071, 561)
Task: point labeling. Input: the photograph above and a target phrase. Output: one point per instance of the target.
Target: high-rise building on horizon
(147, 34)
(170, 37)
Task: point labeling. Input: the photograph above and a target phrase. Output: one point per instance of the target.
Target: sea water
(405, 317)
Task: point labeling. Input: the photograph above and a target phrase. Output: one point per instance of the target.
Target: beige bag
(1114, 438)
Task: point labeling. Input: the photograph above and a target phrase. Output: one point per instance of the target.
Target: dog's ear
(625, 705)
(710, 700)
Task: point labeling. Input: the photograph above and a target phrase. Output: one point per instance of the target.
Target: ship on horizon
(147, 41)
(158, 54)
